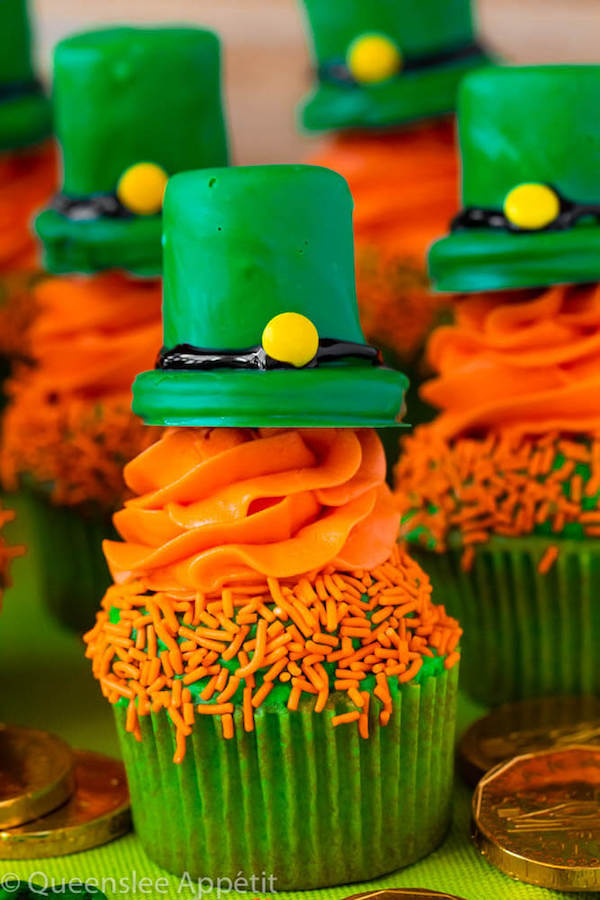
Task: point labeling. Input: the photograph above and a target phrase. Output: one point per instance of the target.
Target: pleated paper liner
(526, 634)
(311, 804)
(65, 546)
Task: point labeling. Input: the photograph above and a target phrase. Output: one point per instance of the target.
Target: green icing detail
(128, 95)
(524, 124)
(353, 396)
(24, 119)
(242, 245)
(486, 260)
(408, 98)
(418, 28)
(114, 615)
(104, 243)
(123, 96)
(15, 43)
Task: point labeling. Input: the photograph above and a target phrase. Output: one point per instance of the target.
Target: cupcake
(27, 175)
(502, 491)
(387, 81)
(69, 428)
(272, 657)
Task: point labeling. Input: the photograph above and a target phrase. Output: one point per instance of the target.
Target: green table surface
(45, 682)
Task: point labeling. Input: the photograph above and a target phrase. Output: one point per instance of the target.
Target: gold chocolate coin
(526, 727)
(537, 818)
(97, 813)
(36, 774)
(405, 893)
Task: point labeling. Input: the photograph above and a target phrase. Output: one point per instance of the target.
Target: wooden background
(266, 62)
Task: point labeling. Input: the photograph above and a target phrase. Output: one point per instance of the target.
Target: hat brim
(410, 96)
(93, 245)
(24, 121)
(479, 260)
(344, 396)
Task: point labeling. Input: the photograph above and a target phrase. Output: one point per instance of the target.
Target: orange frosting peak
(523, 362)
(93, 335)
(216, 504)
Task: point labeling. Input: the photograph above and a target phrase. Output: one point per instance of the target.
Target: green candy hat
(133, 106)
(25, 116)
(530, 144)
(260, 316)
(384, 62)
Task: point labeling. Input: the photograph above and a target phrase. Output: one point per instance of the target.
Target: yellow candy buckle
(291, 338)
(141, 188)
(373, 58)
(531, 206)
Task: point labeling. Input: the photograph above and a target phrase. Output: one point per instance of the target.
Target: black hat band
(336, 71)
(188, 357)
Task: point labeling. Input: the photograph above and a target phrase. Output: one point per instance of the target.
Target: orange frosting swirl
(69, 425)
(93, 335)
(27, 181)
(523, 362)
(404, 184)
(214, 505)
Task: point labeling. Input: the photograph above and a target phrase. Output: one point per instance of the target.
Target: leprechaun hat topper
(133, 106)
(385, 62)
(530, 144)
(25, 115)
(260, 315)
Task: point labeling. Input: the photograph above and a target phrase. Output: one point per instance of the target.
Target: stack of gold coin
(526, 727)
(537, 818)
(36, 774)
(54, 800)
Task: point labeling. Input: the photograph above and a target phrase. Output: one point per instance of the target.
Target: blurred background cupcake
(28, 176)
(386, 80)
(281, 659)
(132, 107)
(502, 490)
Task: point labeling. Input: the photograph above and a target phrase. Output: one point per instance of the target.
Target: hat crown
(530, 124)
(15, 43)
(242, 245)
(417, 26)
(127, 95)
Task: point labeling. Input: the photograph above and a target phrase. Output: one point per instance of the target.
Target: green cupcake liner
(311, 804)
(65, 546)
(525, 634)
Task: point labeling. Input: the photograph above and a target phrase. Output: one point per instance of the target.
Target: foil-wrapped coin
(403, 894)
(537, 818)
(527, 727)
(36, 774)
(97, 812)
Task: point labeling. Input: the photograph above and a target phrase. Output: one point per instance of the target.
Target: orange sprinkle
(548, 559)
(411, 671)
(262, 693)
(227, 724)
(214, 709)
(363, 722)
(248, 711)
(345, 718)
